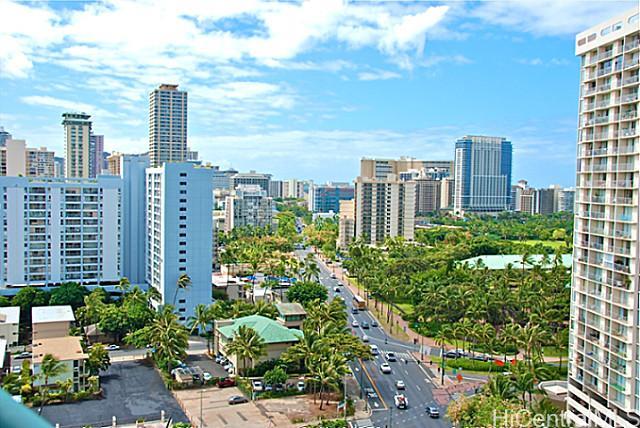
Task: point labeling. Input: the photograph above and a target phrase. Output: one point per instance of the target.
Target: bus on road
(358, 302)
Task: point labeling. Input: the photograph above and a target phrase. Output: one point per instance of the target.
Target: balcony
(628, 132)
(633, 62)
(632, 45)
(630, 80)
(631, 114)
(623, 167)
(622, 183)
(603, 104)
(603, 71)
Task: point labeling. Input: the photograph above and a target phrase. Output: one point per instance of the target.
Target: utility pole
(201, 421)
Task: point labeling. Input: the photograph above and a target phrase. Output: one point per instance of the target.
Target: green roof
(290, 309)
(271, 331)
(497, 262)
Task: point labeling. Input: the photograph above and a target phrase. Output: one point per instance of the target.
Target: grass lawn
(552, 244)
(552, 351)
(406, 308)
(396, 331)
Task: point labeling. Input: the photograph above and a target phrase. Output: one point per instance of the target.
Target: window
(605, 31)
(183, 243)
(183, 235)
(183, 183)
(183, 226)
(183, 217)
(182, 269)
(183, 201)
(633, 19)
(182, 301)
(182, 260)
(182, 251)
(183, 192)
(183, 174)
(183, 208)
(182, 310)
(617, 26)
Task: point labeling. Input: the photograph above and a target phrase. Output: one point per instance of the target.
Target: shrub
(261, 368)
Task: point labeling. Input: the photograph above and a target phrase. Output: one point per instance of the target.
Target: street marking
(418, 388)
(373, 384)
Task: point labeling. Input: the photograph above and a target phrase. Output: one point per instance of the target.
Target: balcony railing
(632, 114)
(631, 63)
(630, 80)
(629, 98)
(624, 166)
(634, 44)
(628, 132)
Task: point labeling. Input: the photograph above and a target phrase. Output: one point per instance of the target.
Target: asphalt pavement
(417, 380)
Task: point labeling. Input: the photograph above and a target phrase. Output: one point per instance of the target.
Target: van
(374, 349)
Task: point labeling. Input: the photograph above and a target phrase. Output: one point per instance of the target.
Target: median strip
(373, 384)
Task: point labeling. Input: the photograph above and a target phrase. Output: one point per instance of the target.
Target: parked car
(433, 412)
(365, 338)
(385, 368)
(391, 357)
(268, 387)
(300, 386)
(226, 382)
(207, 376)
(112, 347)
(354, 310)
(257, 385)
(365, 325)
(400, 384)
(336, 289)
(22, 355)
(370, 392)
(333, 276)
(237, 399)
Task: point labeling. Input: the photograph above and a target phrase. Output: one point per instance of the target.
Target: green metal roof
(497, 262)
(269, 330)
(290, 309)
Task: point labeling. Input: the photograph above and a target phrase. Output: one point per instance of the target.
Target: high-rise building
(346, 223)
(192, 155)
(4, 136)
(167, 125)
(58, 230)
(447, 188)
(566, 199)
(384, 208)
(97, 154)
(380, 168)
(326, 198)
(58, 167)
(482, 175)
(134, 202)
(78, 153)
(222, 178)
(114, 163)
(249, 178)
(428, 194)
(180, 234)
(276, 189)
(546, 201)
(18, 160)
(248, 205)
(604, 344)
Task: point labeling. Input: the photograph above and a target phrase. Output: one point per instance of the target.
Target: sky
(305, 89)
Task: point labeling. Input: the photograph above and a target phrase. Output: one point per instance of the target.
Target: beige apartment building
(67, 350)
(78, 152)
(604, 354)
(16, 159)
(379, 168)
(346, 223)
(167, 125)
(51, 321)
(10, 324)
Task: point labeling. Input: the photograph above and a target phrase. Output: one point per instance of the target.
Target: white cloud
(541, 62)
(47, 101)
(379, 75)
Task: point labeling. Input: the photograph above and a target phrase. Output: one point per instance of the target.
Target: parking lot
(132, 390)
(206, 364)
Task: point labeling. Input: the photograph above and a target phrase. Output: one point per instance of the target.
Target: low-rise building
(67, 350)
(346, 223)
(51, 321)
(291, 315)
(248, 206)
(276, 337)
(10, 324)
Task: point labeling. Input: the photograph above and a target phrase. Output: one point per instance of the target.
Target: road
(416, 379)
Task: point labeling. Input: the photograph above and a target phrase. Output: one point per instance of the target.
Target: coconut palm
(50, 367)
(246, 345)
(201, 321)
(66, 386)
(123, 285)
(183, 282)
(153, 295)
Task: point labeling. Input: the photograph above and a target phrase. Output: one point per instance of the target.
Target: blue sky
(305, 90)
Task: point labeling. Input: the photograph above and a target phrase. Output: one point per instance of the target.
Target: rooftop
(497, 262)
(41, 314)
(63, 348)
(290, 309)
(10, 315)
(269, 330)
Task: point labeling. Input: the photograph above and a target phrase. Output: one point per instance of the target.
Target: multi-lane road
(417, 379)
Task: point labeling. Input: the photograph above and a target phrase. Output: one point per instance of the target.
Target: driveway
(132, 390)
(206, 364)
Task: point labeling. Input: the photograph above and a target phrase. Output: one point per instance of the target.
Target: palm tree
(201, 321)
(246, 345)
(50, 367)
(501, 386)
(183, 282)
(123, 285)
(168, 338)
(153, 295)
(443, 335)
(65, 386)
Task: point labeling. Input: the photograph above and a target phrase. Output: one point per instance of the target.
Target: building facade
(250, 206)
(482, 174)
(16, 159)
(379, 168)
(78, 153)
(384, 208)
(346, 223)
(97, 154)
(167, 125)
(4, 136)
(222, 178)
(604, 368)
(58, 167)
(59, 230)
(180, 234)
(250, 178)
(10, 325)
(428, 195)
(326, 198)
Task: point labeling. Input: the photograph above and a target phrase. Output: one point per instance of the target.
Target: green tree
(275, 376)
(98, 359)
(123, 285)
(50, 367)
(115, 320)
(69, 293)
(65, 386)
(29, 297)
(305, 292)
(4, 302)
(246, 345)
(183, 282)
(201, 321)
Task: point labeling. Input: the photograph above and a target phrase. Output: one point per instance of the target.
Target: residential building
(97, 154)
(384, 208)
(18, 160)
(482, 174)
(276, 189)
(68, 350)
(546, 201)
(58, 167)
(51, 321)
(604, 373)
(447, 189)
(114, 160)
(277, 338)
(326, 198)
(180, 234)
(250, 178)
(379, 168)
(428, 189)
(167, 125)
(291, 315)
(346, 223)
(192, 155)
(5, 358)
(10, 324)
(4, 136)
(78, 150)
(133, 228)
(248, 206)
(55, 230)
(222, 178)
(523, 198)
(566, 199)
(293, 188)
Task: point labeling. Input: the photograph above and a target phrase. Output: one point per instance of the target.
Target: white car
(207, 376)
(400, 384)
(333, 276)
(374, 349)
(355, 324)
(112, 347)
(385, 368)
(257, 385)
(365, 338)
(300, 385)
(400, 401)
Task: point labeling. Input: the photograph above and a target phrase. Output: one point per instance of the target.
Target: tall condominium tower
(604, 367)
(16, 159)
(4, 136)
(180, 233)
(97, 154)
(167, 125)
(482, 174)
(78, 153)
